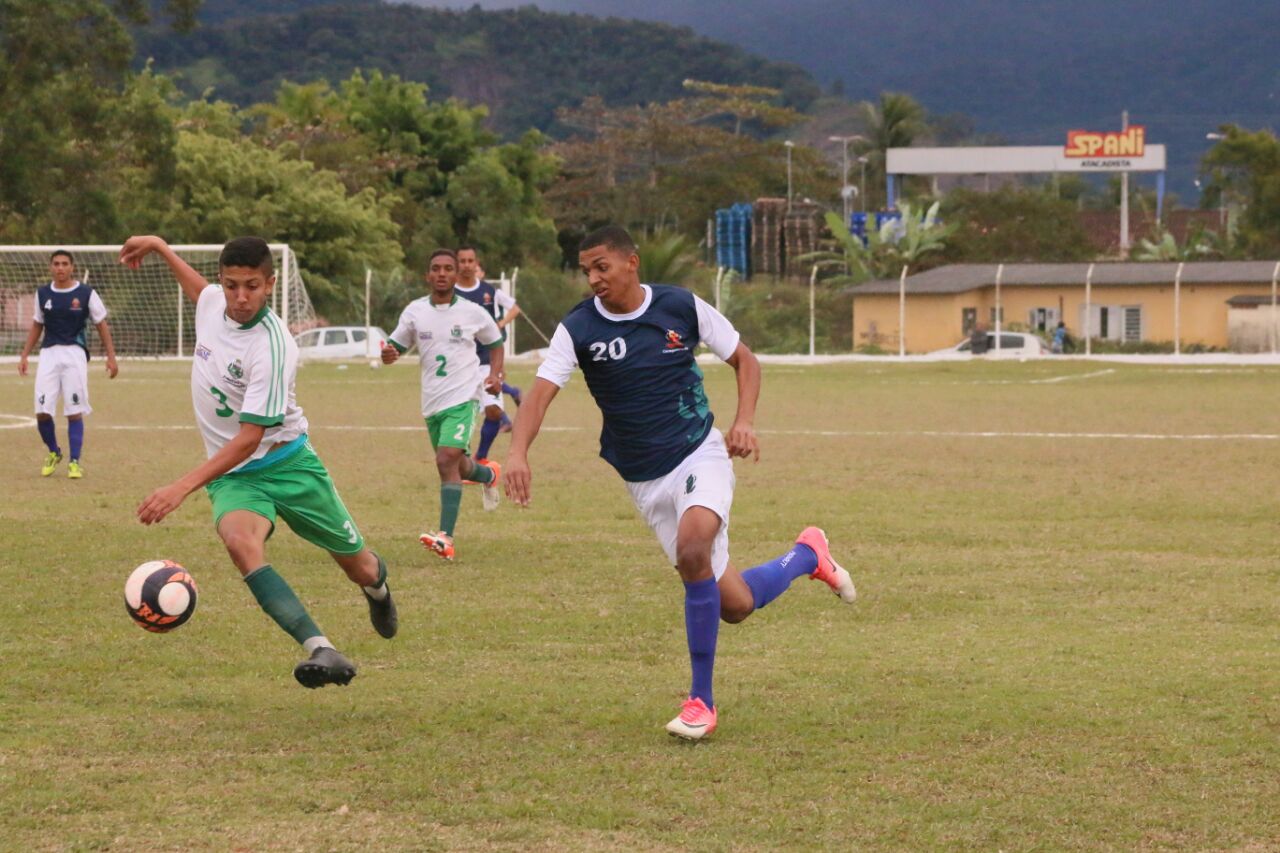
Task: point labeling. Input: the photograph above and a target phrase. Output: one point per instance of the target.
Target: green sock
(450, 502)
(482, 474)
(281, 604)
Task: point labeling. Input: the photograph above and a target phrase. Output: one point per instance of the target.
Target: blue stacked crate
(858, 226)
(733, 238)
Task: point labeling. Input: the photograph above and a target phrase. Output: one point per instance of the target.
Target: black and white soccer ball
(160, 595)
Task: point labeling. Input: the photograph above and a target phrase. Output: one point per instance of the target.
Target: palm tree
(667, 259)
(894, 122)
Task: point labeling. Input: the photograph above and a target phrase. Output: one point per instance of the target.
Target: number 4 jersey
(446, 336)
(640, 368)
(243, 374)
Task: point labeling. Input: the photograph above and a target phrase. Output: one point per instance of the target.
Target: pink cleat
(695, 721)
(829, 571)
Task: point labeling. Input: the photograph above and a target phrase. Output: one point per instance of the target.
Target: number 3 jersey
(243, 374)
(446, 336)
(640, 368)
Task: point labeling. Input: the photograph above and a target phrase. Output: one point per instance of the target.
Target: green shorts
(299, 489)
(452, 427)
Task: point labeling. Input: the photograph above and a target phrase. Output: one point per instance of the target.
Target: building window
(1132, 323)
(993, 316)
(968, 319)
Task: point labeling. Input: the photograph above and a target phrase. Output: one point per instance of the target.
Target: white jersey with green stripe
(446, 336)
(243, 374)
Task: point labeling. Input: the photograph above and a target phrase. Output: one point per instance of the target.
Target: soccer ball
(160, 595)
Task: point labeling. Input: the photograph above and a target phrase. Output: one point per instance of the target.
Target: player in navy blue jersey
(64, 308)
(635, 345)
(503, 309)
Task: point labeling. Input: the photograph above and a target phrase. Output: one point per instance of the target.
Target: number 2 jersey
(640, 368)
(243, 374)
(446, 336)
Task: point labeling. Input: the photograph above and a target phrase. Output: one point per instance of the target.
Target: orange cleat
(829, 571)
(694, 722)
(438, 543)
(491, 494)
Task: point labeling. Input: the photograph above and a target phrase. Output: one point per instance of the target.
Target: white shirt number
(615, 350)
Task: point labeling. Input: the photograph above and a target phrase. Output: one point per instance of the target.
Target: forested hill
(521, 63)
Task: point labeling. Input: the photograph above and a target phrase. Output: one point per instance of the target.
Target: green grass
(1060, 644)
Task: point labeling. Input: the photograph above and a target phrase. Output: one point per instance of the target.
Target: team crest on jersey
(75, 303)
(675, 340)
(236, 369)
(456, 331)
(488, 298)
(203, 352)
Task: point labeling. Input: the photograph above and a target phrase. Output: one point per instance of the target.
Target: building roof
(959, 278)
(1248, 301)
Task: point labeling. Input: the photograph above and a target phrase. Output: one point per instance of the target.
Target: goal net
(148, 314)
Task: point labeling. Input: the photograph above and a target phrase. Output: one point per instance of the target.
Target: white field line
(1070, 376)
(24, 422)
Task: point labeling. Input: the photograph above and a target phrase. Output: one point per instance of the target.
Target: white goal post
(145, 307)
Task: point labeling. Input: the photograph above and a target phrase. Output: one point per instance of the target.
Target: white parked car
(1012, 345)
(337, 342)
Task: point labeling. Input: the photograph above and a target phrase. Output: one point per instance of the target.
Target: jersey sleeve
(489, 334)
(503, 300)
(561, 358)
(37, 316)
(97, 310)
(267, 390)
(715, 330)
(402, 337)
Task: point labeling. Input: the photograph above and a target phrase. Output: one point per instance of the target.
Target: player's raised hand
(136, 248)
(516, 479)
(389, 353)
(741, 441)
(160, 503)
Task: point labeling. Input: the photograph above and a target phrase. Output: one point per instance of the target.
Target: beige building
(1219, 304)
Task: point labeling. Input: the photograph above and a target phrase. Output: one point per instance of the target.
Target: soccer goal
(146, 309)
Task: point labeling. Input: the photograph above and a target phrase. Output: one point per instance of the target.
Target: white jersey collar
(618, 318)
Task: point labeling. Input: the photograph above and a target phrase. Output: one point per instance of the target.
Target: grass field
(1061, 643)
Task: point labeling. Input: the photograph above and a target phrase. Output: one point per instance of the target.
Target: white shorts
(62, 371)
(487, 399)
(705, 478)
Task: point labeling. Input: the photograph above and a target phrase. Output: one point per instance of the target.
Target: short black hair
(462, 249)
(438, 252)
(250, 252)
(613, 237)
(64, 253)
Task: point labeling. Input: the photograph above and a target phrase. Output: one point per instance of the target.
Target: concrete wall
(934, 321)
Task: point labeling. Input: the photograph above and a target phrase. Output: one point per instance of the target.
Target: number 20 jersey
(243, 374)
(641, 370)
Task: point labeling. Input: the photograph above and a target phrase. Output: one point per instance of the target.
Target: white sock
(310, 644)
(377, 593)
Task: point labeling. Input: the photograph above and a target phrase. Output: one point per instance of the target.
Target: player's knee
(733, 613)
(43, 417)
(492, 413)
(244, 547)
(693, 560)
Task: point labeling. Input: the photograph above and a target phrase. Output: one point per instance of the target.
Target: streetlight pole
(789, 144)
(845, 193)
(866, 205)
(1222, 196)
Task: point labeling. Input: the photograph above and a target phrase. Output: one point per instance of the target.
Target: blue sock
(75, 436)
(511, 391)
(504, 421)
(702, 626)
(488, 432)
(770, 580)
(48, 434)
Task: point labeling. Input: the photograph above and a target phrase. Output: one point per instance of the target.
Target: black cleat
(383, 615)
(326, 665)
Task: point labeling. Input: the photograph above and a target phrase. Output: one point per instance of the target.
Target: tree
(894, 122)
(1243, 169)
(1013, 224)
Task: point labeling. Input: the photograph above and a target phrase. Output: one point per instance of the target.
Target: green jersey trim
(400, 349)
(262, 420)
(257, 318)
(277, 392)
(495, 344)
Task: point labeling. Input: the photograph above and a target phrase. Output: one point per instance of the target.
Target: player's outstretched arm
(32, 336)
(138, 247)
(166, 499)
(741, 439)
(516, 473)
(493, 382)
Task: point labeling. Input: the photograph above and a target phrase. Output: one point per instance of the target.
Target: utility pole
(846, 191)
(1124, 196)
